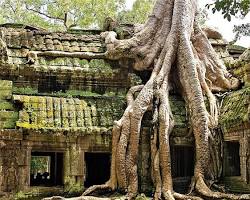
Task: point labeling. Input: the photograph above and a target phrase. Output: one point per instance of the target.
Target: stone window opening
(46, 169)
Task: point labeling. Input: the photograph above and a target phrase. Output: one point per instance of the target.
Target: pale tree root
(106, 186)
(77, 198)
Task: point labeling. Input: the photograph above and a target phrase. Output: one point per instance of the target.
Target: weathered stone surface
(235, 110)
(63, 113)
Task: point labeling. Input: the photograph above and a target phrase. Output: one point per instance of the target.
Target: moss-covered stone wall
(8, 114)
(91, 114)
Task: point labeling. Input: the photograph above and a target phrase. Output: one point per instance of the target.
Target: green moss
(8, 115)
(75, 93)
(71, 188)
(5, 93)
(25, 90)
(68, 113)
(235, 110)
(20, 195)
(100, 64)
(67, 94)
(59, 61)
(5, 84)
(27, 125)
(83, 63)
(8, 119)
(5, 105)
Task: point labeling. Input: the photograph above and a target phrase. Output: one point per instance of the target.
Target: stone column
(243, 157)
(73, 165)
(66, 160)
(24, 167)
(1, 167)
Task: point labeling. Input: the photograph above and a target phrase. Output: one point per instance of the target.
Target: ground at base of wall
(39, 193)
(33, 193)
(236, 185)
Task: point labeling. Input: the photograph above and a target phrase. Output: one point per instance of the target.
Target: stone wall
(28, 64)
(8, 113)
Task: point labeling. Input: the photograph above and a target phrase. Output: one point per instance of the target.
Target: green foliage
(139, 13)
(64, 14)
(202, 16)
(230, 7)
(59, 14)
(241, 30)
(39, 163)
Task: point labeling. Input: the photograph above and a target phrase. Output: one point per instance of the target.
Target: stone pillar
(66, 160)
(1, 166)
(76, 163)
(81, 167)
(73, 167)
(24, 168)
(243, 157)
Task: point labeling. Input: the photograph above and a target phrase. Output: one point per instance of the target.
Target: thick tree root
(77, 198)
(185, 197)
(106, 186)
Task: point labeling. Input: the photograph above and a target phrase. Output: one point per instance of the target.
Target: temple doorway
(182, 160)
(97, 168)
(232, 158)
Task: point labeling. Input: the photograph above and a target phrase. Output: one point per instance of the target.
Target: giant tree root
(171, 44)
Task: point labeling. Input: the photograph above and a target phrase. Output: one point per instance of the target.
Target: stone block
(246, 77)
(8, 119)
(5, 84)
(5, 105)
(5, 89)
(84, 48)
(50, 47)
(58, 47)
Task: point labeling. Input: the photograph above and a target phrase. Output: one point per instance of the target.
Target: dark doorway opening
(232, 159)
(97, 168)
(49, 83)
(46, 169)
(182, 166)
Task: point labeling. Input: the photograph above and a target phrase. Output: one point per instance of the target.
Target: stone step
(236, 185)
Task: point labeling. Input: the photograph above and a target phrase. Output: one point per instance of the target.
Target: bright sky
(216, 20)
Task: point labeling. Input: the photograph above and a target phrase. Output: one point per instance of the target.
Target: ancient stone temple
(59, 97)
